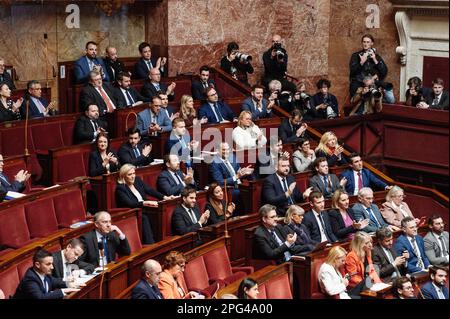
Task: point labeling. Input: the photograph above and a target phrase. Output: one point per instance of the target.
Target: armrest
(247, 269)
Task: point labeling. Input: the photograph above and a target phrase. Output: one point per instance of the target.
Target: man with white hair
(366, 209)
(147, 287)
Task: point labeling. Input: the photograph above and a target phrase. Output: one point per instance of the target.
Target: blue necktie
(372, 217)
(287, 254)
(130, 99)
(46, 285)
(105, 247)
(219, 115)
(327, 185)
(178, 178)
(285, 188)
(136, 152)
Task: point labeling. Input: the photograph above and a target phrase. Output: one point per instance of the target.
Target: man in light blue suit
(414, 244)
(152, 120)
(89, 62)
(366, 209)
(257, 104)
(359, 177)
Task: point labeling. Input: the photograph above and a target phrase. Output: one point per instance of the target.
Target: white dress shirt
(246, 138)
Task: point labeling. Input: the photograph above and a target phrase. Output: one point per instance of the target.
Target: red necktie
(360, 182)
(107, 100)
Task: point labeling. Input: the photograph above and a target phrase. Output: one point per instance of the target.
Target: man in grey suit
(366, 209)
(152, 121)
(323, 181)
(436, 242)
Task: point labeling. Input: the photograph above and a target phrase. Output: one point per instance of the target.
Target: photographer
(280, 98)
(367, 99)
(236, 63)
(324, 104)
(416, 92)
(275, 65)
(367, 62)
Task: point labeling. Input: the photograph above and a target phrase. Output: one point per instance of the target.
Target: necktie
(372, 217)
(218, 114)
(94, 124)
(435, 101)
(91, 64)
(108, 102)
(327, 185)
(287, 254)
(285, 188)
(136, 152)
(416, 252)
(205, 85)
(391, 260)
(1, 77)
(440, 293)
(193, 218)
(68, 273)
(4, 179)
(179, 181)
(149, 65)
(105, 245)
(323, 225)
(444, 248)
(156, 292)
(230, 168)
(129, 97)
(183, 143)
(360, 182)
(156, 85)
(46, 285)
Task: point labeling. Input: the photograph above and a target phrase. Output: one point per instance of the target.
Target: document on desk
(379, 286)
(83, 279)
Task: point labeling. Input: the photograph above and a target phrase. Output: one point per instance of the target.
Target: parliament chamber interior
(189, 181)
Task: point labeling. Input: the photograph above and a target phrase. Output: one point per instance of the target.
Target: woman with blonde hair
(247, 134)
(395, 209)
(131, 192)
(330, 149)
(188, 112)
(359, 265)
(331, 279)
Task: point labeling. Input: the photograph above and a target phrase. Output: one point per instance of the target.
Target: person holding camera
(302, 102)
(88, 63)
(416, 92)
(324, 104)
(367, 99)
(275, 65)
(367, 62)
(237, 64)
(438, 99)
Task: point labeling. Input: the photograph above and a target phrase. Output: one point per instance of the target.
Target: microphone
(101, 248)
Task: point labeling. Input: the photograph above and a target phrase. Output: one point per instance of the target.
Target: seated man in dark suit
(366, 209)
(224, 166)
(291, 130)
(106, 236)
(147, 287)
(38, 283)
(113, 66)
(166, 108)
(152, 121)
(317, 221)
(88, 63)
(180, 143)
(198, 88)
(280, 189)
(358, 177)
(5, 77)
(37, 105)
(256, 104)
(323, 181)
(214, 110)
(126, 94)
(134, 151)
(412, 243)
(271, 241)
(153, 86)
(99, 93)
(88, 126)
(390, 264)
(146, 63)
(19, 179)
(66, 264)
(438, 99)
(172, 180)
(186, 216)
(436, 287)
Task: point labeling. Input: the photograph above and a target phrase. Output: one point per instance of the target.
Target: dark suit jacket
(58, 269)
(167, 185)
(443, 102)
(304, 240)
(141, 70)
(338, 225)
(126, 198)
(84, 131)
(214, 218)
(309, 220)
(368, 179)
(6, 78)
(90, 95)
(117, 66)
(206, 111)
(317, 183)
(149, 90)
(429, 292)
(81, 69)
(134, 94)
(248, 105)
(31, 287)
(143, 290)
(173, 146)
(403, 244)
(218, 171)
(182, 222)
(115, 246)
(95, 164)
(386, 269)
(126, 155)
(332, 160)
(360, 212)
(286, 132)
(8, 186)
(198, 91)
(33, 111)
(273, 193)
(265, 246)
